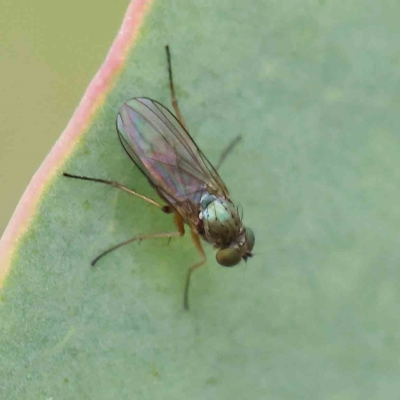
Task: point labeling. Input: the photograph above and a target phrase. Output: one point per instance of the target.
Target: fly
(160, 145)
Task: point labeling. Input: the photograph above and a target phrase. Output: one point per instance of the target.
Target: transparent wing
(166, 154)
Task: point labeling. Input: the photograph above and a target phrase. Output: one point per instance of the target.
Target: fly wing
(166, 154)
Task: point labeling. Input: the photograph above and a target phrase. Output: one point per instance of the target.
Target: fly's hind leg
(179, 115)
(174, 100)
(196, 240)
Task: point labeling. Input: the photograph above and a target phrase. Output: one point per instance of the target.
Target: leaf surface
(313, 89)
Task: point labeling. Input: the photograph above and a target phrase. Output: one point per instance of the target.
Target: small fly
(160, 145)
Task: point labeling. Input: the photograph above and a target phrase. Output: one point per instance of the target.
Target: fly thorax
(221, 221)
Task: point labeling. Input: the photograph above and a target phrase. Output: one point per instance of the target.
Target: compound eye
(228, 257)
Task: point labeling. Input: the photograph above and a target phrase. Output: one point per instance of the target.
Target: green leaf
(313, 88)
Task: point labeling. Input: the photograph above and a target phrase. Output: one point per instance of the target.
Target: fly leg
(231, 145)
(181, 231)
(172, 90)
(196, 240)
(166, 208)
(118, 186)
(178, 113)
(134, 239)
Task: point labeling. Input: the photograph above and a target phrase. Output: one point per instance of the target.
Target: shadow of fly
(160, 145)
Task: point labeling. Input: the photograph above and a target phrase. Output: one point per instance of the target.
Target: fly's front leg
(178, 221)
(119, 186)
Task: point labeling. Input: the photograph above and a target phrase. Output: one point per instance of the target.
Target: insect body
(160, 145)
(183, 177)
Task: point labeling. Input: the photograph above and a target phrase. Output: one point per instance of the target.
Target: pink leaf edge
(92, 100)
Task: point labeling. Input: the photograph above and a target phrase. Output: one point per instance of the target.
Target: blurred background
(45, 69)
